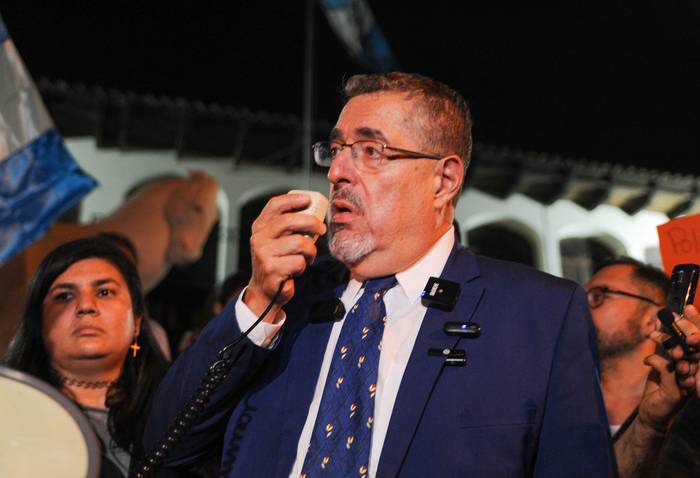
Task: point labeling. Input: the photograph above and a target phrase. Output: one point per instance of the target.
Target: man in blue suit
(525, 400)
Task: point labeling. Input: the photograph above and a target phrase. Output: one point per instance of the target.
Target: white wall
(634, 236)
(117, 171)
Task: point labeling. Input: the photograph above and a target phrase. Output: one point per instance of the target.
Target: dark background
(600, 81)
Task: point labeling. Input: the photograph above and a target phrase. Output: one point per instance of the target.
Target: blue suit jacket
(526, 404)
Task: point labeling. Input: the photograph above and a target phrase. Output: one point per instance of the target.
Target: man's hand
(665, 389)
(281, 249)
(638, 447)
(662, 394)
(688, 373)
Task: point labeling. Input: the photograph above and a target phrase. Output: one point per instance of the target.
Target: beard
(621, 342)
(346, 245)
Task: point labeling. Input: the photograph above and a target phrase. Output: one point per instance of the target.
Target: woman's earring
(135, 346)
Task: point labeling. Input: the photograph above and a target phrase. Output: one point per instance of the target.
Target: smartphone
(684, 281)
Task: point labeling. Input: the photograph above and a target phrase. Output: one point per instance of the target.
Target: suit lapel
(422, 371)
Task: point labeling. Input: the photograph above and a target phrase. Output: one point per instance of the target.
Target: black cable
(217, 372)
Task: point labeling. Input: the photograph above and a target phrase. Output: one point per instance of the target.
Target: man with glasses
(624, 296)
(389, 388)
(641, 394)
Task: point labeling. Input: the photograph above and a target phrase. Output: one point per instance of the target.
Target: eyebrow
(72, 285)
(599, 286)
(364, 133)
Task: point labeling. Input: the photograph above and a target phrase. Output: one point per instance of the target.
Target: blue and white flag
(39, 179)
(353, 22)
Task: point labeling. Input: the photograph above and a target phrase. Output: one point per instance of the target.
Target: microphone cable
(182, 424)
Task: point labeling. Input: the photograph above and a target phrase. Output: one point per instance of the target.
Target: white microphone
(318, 206)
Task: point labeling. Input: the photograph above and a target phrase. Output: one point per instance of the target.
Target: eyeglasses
(367, 155)
(597, 295)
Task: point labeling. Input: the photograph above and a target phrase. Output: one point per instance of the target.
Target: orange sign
(679, 241)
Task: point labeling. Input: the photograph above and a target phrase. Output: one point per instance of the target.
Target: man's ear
(449, 175)
(649, 322)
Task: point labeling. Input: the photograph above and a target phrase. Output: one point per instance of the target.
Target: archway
(502, 241)
(580, 256)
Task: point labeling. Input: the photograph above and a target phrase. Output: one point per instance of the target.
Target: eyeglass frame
(410, 154)
(606, 290)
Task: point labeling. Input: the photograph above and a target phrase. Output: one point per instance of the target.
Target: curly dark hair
(128, 398)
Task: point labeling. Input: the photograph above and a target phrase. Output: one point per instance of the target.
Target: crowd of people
(399, 354)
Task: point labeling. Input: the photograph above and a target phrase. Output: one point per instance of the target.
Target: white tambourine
(42, 432)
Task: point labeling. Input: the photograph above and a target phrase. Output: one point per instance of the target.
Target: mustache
(347, 194)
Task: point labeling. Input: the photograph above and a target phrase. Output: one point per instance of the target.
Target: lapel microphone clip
(464, 330)
(453, 357)
(328, 311)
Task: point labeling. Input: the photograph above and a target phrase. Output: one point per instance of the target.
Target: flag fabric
(353, 22)
(39, 179)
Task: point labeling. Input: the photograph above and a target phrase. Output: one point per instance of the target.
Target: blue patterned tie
(342, 435)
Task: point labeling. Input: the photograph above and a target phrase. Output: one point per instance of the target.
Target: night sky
(614, 81)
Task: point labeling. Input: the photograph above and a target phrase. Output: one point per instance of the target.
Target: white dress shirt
(405, 314)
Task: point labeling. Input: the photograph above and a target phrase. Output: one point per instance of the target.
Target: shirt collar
(412, 280)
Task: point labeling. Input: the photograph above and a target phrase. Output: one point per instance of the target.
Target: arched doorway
(580, 256)
(502, 241)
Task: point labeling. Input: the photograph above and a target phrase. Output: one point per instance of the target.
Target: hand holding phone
(684, 281)
(677, 337)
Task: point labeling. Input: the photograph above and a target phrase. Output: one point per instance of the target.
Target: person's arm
(279, 252)
(687, 367)
(575, 439)
(637, 449)
(186, 375)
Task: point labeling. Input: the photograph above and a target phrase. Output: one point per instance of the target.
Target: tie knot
(380, 284)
